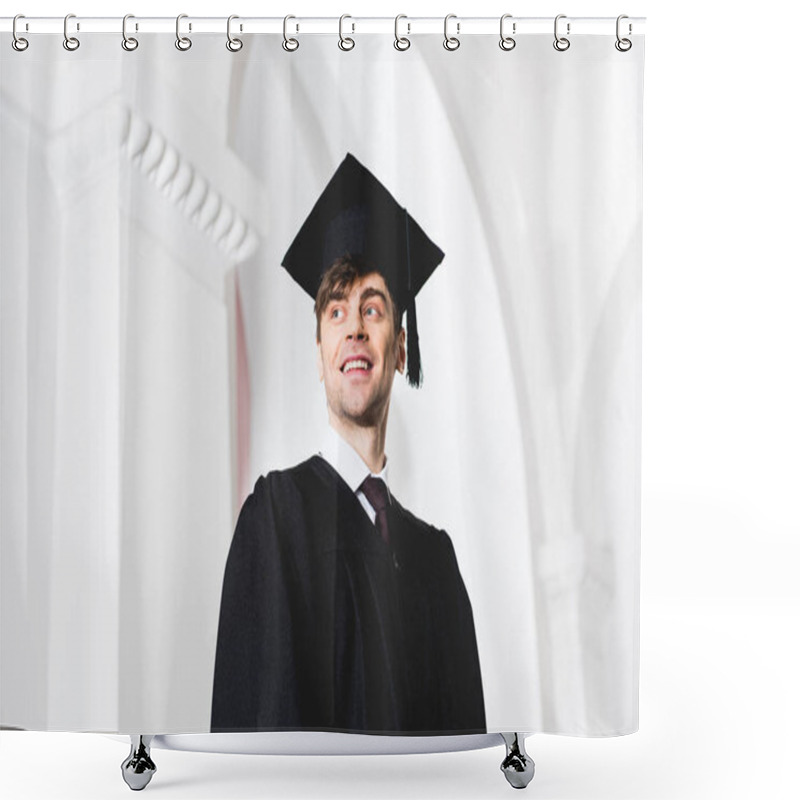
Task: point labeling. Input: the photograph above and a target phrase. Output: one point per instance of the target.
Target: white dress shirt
(349, 464)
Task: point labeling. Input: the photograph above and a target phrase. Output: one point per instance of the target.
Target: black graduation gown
(324, 627)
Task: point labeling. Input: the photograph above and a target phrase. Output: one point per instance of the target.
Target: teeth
(355, 365)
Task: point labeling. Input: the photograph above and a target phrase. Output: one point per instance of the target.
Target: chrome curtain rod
(299, 25)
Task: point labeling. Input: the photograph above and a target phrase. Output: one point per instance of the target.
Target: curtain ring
(181, 42)
(561, 43)
(623, 45)
(18, 42)
(345, 43)
(507, 42)
(129, 43)
(233, 44)
(70, 42)
(451, 42)
(401, 42)
(289, 45)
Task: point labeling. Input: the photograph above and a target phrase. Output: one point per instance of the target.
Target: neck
(368, 442)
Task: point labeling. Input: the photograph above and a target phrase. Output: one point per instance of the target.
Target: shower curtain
(177, 450)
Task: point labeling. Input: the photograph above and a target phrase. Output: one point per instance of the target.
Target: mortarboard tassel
(414, 371)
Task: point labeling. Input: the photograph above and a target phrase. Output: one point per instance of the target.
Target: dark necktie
(378, 495)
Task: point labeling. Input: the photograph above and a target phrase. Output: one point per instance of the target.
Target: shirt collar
(347, 462)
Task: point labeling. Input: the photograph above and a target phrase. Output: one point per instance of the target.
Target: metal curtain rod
(463, 26)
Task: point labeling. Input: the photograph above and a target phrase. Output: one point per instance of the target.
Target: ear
(319, 359)
(401, 351)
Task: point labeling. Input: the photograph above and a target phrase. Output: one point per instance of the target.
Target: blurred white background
(720, 611)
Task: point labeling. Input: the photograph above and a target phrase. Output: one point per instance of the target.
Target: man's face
(358, 352)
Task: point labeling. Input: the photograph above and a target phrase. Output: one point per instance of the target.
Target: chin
(365, 414)
(361, 415)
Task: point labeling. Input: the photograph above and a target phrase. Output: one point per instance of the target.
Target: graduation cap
(356, 216)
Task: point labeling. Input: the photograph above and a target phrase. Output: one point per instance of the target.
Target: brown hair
(337, 281)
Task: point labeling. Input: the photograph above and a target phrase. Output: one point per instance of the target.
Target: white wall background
(720, 518)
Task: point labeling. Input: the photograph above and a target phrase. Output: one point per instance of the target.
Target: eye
(337, 313)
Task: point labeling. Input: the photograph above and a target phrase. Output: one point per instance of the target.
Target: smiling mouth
(360, 364)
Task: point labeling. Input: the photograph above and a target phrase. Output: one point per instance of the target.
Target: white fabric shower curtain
(156, 359)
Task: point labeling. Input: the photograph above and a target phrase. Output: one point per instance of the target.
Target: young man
(340, 609)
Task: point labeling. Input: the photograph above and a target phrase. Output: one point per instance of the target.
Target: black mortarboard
(355, 215)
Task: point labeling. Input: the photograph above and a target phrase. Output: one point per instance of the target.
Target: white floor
(719, 704)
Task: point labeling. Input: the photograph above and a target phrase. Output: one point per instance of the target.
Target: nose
(357, 331)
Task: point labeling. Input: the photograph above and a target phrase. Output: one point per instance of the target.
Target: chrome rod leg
(138, 768)
(517, 766)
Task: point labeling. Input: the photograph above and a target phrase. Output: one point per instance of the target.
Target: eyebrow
(372, 292)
